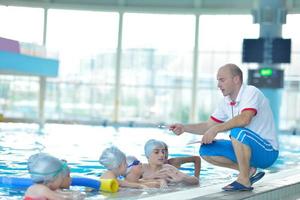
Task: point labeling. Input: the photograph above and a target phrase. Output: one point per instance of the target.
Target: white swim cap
(112, 158)
(131, 162)
(45, 168)
(151, 145)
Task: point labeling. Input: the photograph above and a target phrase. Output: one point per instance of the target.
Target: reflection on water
(81, 147)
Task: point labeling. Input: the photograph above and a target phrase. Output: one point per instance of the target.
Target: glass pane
(156, 67)
(19, 94)
(290, 109)
(289, 31)
(86, 43)
(22, 24)
(220, 42)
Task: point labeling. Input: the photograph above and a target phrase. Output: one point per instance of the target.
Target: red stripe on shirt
(251, 109)
(216, 120)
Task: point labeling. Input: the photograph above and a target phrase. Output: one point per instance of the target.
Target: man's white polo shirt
(250, 98)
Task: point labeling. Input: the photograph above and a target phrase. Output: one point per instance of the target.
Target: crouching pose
(244, 112)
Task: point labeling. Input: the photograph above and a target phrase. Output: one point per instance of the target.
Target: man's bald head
(234, 70)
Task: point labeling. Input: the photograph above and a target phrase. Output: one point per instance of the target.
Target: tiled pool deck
(281, 185)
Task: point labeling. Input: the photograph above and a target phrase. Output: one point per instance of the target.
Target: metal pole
(118, 69)
(270, 15)
(42, 81)
(194, 107)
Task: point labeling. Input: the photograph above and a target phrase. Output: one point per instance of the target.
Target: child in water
(49, 174)
(135, 166)
(114, 161)
(156, 168)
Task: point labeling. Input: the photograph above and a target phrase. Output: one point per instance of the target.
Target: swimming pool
(81, 146)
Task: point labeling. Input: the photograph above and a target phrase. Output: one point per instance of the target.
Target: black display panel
(281, 50)
(267, 50)
(253, 50)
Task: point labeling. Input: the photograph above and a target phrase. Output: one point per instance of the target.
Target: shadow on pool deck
(281, 185)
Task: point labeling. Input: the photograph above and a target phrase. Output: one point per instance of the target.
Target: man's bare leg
(243, 154)
(225, 162)
(221, 161)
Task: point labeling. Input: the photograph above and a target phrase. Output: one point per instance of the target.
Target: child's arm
(134, 175)
(179, 177)
(156, 183)
(176, 176)
(42, 191)
(127, 184)
(192, 180)
(122, 183)
(108, 175)
(177, 162)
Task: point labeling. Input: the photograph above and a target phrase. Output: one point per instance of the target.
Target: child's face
(57, 183)
(63, 180)
(66, 181)
(158, 156)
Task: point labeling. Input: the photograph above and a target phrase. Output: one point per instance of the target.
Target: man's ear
(236, 79)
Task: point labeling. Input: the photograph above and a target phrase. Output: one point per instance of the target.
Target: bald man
(244, 112)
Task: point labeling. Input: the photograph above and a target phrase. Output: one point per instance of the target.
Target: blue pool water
(82, 145)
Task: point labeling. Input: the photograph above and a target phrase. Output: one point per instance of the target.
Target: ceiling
(155, 6)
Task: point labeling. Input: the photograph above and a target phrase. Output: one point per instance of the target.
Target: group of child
(50, 174)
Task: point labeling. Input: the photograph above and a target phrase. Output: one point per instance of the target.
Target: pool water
(82, 145)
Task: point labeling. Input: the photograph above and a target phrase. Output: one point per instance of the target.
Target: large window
(156, 67)
(86, 43)
(22, 24)
(220, 42)
(19, 95)
(290, 110)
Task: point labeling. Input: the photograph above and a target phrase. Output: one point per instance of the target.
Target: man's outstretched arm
(198, 129)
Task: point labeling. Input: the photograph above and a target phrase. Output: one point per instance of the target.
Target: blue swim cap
(112, 158)
(151, 145)
(44, 168)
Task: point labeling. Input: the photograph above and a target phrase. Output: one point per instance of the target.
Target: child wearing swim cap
(135, 167)
(114, 160)
(49, 174)
(178, 161)
(156, 168)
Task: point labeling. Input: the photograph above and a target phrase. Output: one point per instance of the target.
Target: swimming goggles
(135, 162)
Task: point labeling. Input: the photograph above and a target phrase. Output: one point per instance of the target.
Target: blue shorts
(262, 153)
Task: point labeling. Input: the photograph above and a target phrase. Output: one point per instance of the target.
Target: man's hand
(209, 135)
(178, 129)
